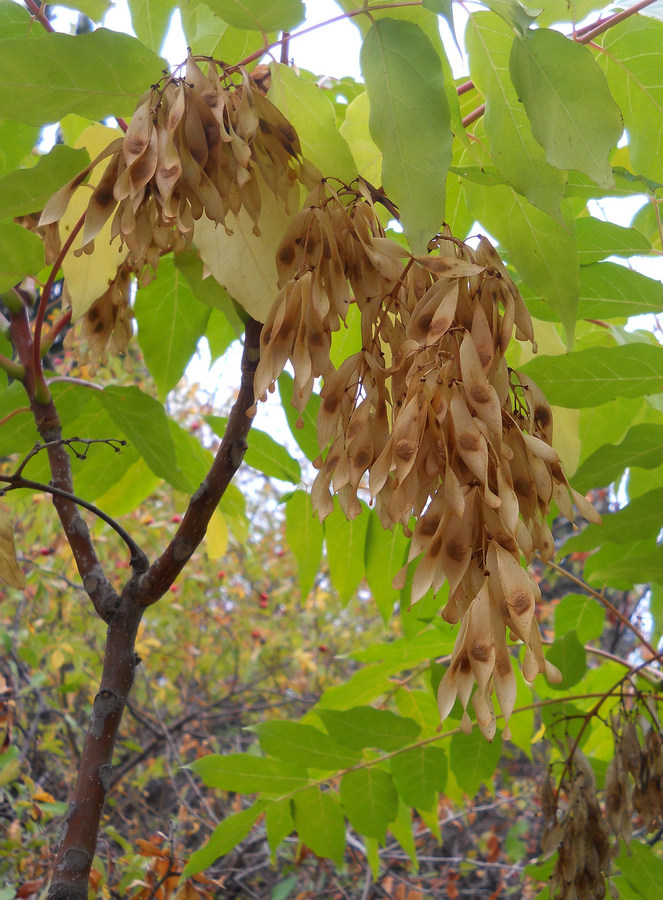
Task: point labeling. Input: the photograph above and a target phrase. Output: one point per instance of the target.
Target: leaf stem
(45, 297)
(587, 34)
(37, 12)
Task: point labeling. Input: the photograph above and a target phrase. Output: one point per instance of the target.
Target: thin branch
(474, 115)
(608, 605)
(37, 12)
(587, 34)
(138, 559)
(46, 295)
(163, 572)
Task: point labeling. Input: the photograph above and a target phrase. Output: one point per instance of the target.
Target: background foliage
(286, 627)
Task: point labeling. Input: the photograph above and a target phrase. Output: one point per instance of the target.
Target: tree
(288, 198)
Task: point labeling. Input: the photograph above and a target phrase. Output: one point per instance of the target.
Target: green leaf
(233, 507)
(124, 497)
(568, 654)
(15, 21)
(278, 823)
(320, 823)
(365, 726)
(364, 686)
(208, 290)
(384, 554)
(631, 59)
(597, 240)
(144, 422)
(223, 839)
(594, 376)
(150, 19)
(247, 774)
(193, 460)
(260, 15)
(406, 652)
(27, 190)
(642, 447)
(370, 800)
(219, 333)
(311, 113)
(94, 75)
(473, 760)
(303, 745)
(304, 535)
(264, 453)
(410, 123)
(639, 519)
(420, 706)
(634, 564)
(170, 324)
(16, 138)
(513, 14)
(568, 102)
(365, 151)
(345, 541)
(306, 435)
(611, 291)
(420, 774)
(21, 254)
(519, 157)
(579, 613)
(209, 35)
(542, 251)
(401, 828)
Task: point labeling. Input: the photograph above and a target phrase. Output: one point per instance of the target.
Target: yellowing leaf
(216, 538)
(87, 276)
(243, 263)
(10, 571)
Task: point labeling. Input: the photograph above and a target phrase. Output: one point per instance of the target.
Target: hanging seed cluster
(578, 833)
(450, 442)
(198, 145)
(634, 778)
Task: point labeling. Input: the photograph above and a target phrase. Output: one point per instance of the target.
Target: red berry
(176, 518)
(264, 596)
(174, 588)
(255, 634)
(47, 551)
(323, 648)
(263, 604)
(195, 426)
(221, 574)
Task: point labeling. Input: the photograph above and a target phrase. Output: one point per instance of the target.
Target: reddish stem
(474, 115)
(37, 11)
(587, 34)
(46, 295)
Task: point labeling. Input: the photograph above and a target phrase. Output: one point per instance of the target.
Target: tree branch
(164, 570)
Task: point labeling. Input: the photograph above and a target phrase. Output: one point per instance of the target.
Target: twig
(587, 34)
(138, 558)
(37, 12)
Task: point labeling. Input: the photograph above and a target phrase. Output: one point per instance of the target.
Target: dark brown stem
(95, 774)
(164, 570)
(99, 589)
(79, 831)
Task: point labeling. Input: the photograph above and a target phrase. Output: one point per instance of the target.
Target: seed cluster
(200, 144)
(450, 442)
(634, 777)
(578, 833)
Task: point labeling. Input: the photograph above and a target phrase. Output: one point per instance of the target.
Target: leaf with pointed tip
(598, 239)
(345, 541)
(27, 190)
(144, 422)
(304, 535)
(639, 519)
(513, 13)
(631, 60)
(150, 19)
(227, 834)
(264, 453)
(247, 774)
(303, 745)
(170, 325)
(365, 726)
(384, 554)
(637, 563)
(94, 75)
(278, 823)
(370, 800)
(320, 824)
(410, 123)
(420, 774)
(518, 156)
(568, 102)
(570, 657)
(312, 115)
(307, 435)
(594, 376)
(642, 446)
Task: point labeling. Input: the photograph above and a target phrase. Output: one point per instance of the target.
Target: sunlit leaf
(345, 541)
(303, 745)
(225, 836)
(150, 20)
(384, 554)
(365, 726)
(642, 447)
(94, 75)
(568, 654)
(568, 102)
(27, 190)
(21, 254)
(260, 15)
(264, 453)
(579, 613)
(304, 535)
(410, 123)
